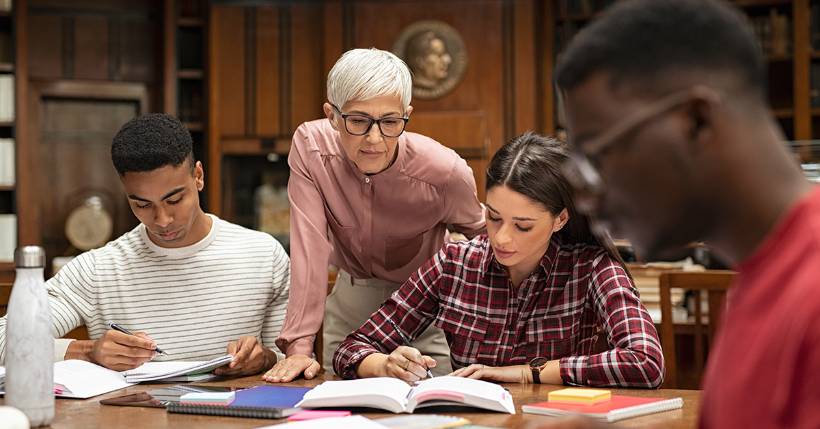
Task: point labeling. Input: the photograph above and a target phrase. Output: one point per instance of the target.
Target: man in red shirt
(667, 112)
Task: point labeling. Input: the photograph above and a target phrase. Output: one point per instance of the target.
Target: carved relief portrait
(435, 53)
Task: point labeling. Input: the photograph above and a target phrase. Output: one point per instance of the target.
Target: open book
(395, 395)
(175, 371)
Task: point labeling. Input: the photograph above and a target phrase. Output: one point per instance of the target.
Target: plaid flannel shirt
(576, 293)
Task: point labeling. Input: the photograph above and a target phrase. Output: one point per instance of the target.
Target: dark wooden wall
(109, 40)
(268, 66)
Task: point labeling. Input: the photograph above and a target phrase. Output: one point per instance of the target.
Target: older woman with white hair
(370, 198)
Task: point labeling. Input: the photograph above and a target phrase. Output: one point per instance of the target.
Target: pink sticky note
(317, 414)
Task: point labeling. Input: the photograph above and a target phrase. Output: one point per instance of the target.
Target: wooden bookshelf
(785, 31)
(12, 34)
(783, 113)
(194, 126)
(190, 74)
(184, 71)
(190, 22)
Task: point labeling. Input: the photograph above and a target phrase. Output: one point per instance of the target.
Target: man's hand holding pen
(120, 351)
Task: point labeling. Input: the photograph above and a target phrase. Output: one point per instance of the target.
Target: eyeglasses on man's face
(359, 125)
(580, 170)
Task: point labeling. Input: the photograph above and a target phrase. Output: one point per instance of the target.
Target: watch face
(538, 362)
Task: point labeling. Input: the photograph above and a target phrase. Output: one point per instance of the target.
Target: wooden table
(72, 413)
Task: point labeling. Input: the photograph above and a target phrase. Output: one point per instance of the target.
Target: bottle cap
(30, 257)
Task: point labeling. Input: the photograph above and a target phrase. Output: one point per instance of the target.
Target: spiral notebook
(260, 402)
(617, 408)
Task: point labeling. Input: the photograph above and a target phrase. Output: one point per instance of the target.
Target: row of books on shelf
(8, 237)
(773, 32)
(6, 98)
(7, 162)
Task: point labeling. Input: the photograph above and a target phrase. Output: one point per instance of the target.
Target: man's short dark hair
(149, 142)
(638, 41)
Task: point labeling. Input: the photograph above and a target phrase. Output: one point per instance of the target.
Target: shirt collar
(546, 263)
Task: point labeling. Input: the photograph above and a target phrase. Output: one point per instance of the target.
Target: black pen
(406, 341)
(116, 327)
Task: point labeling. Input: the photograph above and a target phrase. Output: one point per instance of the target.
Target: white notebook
(173, 370)
(395, 395)
(80, 379)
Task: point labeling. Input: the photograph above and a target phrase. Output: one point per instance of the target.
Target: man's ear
(330, 113)
(199, 176)
(408, 111)
(561, 220)
(702, 110)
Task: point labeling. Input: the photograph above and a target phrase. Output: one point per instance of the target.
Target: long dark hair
(530, 164)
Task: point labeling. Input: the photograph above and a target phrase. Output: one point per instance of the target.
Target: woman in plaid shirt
(538, 287)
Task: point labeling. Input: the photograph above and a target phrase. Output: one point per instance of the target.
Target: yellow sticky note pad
(579, 396)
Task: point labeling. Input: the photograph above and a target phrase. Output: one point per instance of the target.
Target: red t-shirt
(764, 371)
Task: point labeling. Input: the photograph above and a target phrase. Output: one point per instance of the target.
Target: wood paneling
(307, 70)
(137, 54)
(91, 48)
(465, 132)
(228, 48)
(92, 40)
(266, 88)
(524, 67)
(45, 46)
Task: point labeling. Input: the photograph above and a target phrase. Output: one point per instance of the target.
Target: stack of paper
(169, 371)
(6, 98)
(7, 162)
(8, 237)
(207, 398)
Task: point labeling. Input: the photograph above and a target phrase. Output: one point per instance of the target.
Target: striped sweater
(192, 301)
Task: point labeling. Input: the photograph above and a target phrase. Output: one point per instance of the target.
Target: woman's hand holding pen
(120, 351)
(408, 364)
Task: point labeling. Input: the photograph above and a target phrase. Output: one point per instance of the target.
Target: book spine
(228, 411)
(640, 410)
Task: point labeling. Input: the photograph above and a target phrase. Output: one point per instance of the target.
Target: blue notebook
(260, 402)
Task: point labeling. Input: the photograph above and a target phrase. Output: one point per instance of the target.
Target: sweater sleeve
(635, 358)
(310, 251)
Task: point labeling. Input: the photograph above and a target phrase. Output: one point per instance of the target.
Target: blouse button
(366, 180)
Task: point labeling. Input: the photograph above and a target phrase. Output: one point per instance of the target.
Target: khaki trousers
(351, 303)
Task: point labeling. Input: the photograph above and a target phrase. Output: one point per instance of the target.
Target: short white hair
(362, 74)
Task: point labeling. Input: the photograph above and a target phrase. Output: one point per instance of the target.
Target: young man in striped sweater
(191, 283)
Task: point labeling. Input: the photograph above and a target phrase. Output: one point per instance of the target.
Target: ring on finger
(406, 365)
